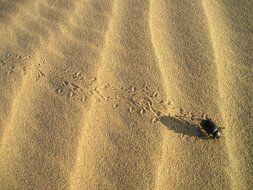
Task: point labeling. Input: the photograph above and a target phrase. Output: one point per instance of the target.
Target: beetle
(210, 128)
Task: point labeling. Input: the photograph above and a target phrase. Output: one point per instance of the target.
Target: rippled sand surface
(108, 94)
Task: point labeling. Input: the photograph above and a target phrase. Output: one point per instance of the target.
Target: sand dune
(102, 94)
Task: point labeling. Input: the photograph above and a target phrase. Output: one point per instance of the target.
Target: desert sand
(103, 94)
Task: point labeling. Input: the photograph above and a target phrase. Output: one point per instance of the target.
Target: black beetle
(210, 128)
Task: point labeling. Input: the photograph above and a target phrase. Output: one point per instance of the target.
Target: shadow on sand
(181, 126)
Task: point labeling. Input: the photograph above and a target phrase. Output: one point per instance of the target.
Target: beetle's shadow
(181, 126)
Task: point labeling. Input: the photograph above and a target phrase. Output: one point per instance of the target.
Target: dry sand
(100, 94)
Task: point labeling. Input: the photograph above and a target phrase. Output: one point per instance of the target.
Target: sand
(108, 94)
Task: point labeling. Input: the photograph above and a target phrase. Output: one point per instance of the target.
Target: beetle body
(210, 128)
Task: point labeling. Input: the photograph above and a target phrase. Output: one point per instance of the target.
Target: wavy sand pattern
(104, 94)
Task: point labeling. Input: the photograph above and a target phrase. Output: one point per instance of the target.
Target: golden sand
(102, 94)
